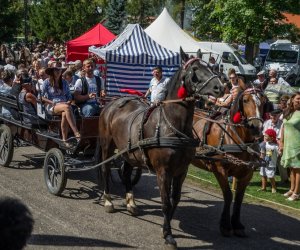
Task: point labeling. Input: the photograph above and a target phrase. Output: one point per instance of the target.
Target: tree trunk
(182, 11)
(249, 51)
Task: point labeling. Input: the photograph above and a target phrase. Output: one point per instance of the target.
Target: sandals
(288, 193)
(77, 135)
(294, 197)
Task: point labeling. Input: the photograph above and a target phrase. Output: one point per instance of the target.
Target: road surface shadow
(72, 241)
(266, 228)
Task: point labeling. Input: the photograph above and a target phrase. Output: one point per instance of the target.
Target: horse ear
(184, 56)
(199, 54)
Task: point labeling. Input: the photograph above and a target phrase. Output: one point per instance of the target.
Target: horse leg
(105, 169)
(242, 183)
(176, 191)
(164, 184)
(130, 202)
(225, 223)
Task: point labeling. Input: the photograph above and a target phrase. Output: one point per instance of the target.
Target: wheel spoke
(51, 177)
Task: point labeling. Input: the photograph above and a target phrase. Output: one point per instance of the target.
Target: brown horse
(159, 137)
(236, 140)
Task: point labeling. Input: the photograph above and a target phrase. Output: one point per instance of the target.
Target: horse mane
(174, 81)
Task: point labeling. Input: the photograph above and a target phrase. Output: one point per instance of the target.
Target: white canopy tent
(165, 31)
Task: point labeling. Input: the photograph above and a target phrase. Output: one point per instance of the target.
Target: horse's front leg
(164, 183)
(176, 191)
(130, 202)
(242, 183)
(108, 205)
(225, 223)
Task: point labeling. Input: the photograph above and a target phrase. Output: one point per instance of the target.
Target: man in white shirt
(158, 86)
(88, 89)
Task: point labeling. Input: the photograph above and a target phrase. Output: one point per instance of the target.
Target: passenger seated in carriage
(57, 98)
(87, 89)
(5, 88)
(27, 98)
(236, 85)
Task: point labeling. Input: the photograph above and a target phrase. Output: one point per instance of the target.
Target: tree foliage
(140, 11)
(11, 16)
(242, 21)
(62, 20)
(116, 15)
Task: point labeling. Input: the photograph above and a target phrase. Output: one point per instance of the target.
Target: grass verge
(207, 179)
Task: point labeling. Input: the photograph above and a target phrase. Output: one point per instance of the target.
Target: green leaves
(11, 15)
(116, 15)
(239, 20)
(62, 20)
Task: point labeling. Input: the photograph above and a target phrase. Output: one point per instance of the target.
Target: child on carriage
(269, 152)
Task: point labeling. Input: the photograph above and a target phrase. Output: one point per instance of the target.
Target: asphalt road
(77, 220)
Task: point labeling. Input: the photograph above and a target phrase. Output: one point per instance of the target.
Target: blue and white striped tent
(130, 59)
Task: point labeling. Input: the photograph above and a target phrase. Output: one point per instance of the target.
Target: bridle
(249, 91)
(195, 87)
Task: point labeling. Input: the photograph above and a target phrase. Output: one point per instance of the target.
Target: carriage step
(77, 163)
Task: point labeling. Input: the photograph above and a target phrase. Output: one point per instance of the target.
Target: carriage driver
(158, 86)
(87, 89)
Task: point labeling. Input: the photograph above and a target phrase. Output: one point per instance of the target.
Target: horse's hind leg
(242, 183)
(130, 203)
(225, 223)
(164, 184)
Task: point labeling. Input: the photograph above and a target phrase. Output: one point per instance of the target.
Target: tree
(10, 19)
(243, 21)
(116, 15)
(62, 20)
(140, 11)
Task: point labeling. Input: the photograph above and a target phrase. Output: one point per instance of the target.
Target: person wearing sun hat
(269, 152)
(261, 81)
(57, 97)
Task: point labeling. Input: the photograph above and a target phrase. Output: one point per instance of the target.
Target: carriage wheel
(54, 171)
(135, 176)
(6, 145)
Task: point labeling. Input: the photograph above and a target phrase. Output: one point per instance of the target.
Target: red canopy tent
(77, 49)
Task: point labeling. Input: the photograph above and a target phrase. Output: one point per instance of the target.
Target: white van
(283, 56)
(229, 57)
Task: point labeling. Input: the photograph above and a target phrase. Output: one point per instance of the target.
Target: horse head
(195, 78)
(248, 108)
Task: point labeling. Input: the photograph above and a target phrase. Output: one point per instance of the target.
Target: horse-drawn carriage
(160, 137)
(43, 132)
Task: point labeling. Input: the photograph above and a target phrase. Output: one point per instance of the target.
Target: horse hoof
(240, 233)
(225, 232)
(133, 210)
(109, 209)
(170, 243)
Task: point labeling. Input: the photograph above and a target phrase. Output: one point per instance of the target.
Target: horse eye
(245, 101)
